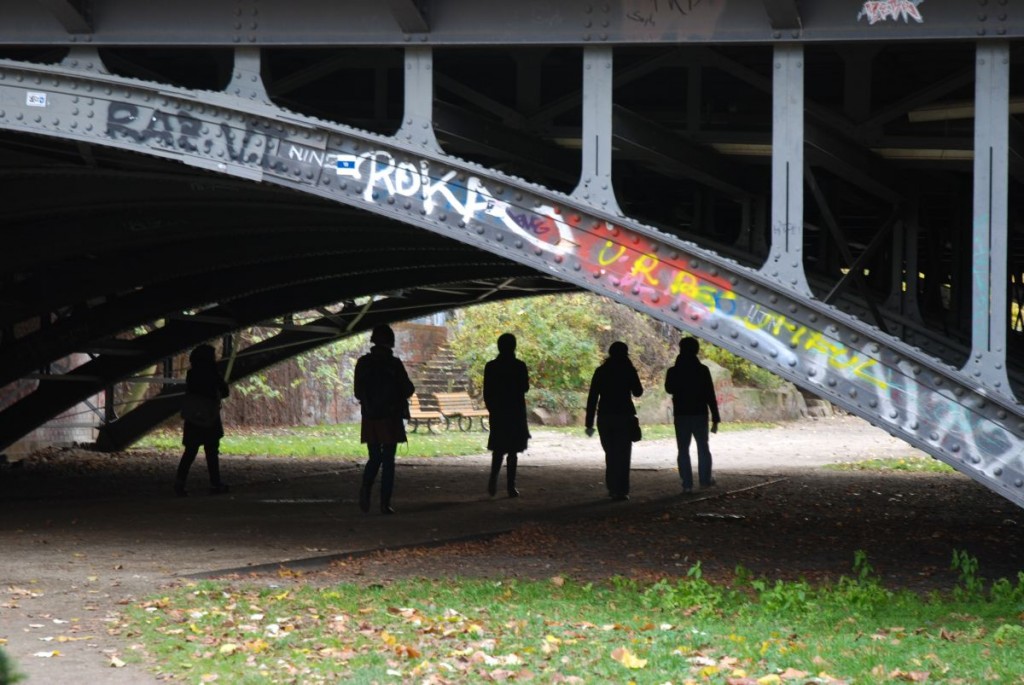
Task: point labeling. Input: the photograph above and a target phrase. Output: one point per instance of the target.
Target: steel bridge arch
(965, 420)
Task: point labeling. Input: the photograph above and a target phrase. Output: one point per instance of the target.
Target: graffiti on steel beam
(876, 11)
(628, 265)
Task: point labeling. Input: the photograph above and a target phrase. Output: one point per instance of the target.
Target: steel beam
(90, 324)
(49, 400)
(418, 121)
(285, 345)
(785, 262)
(990, 311)
(409, 16)
(783, 14)
(595, 186)
(934, 407)
(70, 14)
(524, 22)
(855, 269)
(461, 130)
(647, 141)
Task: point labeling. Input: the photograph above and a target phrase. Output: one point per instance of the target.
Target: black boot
(510, 474)
(385, 497)
(492, 484)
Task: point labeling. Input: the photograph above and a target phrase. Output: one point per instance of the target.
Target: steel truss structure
(830, 190)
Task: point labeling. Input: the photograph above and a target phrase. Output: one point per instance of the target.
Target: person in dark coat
(383, 389)
(506, 381)
(203, 380)
(612, 389)
(693, 396)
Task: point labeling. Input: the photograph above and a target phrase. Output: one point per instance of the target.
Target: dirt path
(83, 534)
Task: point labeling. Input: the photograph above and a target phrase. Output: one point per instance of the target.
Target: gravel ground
(83, 534)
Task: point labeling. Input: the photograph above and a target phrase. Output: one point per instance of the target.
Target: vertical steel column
(785, 260)
(905, 268)
(595, 186)
(989, 311)
(418, 120)
(247, 76)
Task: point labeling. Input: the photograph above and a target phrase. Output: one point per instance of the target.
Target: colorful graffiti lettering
(628, 261)
(940, 417)
(880, 10)
(839, 356)
(535, 224)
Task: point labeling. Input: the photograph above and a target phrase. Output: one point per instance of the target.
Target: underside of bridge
(831, 190)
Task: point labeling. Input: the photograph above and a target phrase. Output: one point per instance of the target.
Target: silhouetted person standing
(383, 389)
(506, 381)
(612, 389)
(204, 389)
(693, 395)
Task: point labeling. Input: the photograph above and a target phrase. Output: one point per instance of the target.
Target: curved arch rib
(934, 407)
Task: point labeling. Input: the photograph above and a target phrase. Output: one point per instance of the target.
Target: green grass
(679, 631)
(909, 464)
(342, 440)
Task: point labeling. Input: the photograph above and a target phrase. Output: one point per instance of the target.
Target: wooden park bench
(458, 405)
(419, 415)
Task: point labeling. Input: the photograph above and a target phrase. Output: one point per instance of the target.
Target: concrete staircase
(441, 373)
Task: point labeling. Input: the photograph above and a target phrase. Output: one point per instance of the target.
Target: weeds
(970, 585)
(906, 464)
(681, 630)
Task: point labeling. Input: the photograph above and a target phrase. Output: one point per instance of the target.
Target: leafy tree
(556, 338)
(562, 339)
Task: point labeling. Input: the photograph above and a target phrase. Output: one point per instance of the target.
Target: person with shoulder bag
(612, 389)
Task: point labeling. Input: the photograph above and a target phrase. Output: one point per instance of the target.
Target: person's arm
(489, 388)
(405, 386)
(670, 380)
(592, 401)
(638, 388)
(712, 400)
(524, 377)
(358, 380)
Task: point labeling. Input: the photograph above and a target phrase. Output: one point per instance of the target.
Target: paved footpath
(69, 562)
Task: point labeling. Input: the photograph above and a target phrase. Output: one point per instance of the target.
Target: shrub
(8, 676)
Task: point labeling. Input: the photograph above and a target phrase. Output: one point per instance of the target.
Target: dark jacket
(204, 381)
(506, 381)
(382, 385)
(612, 389)
(693, 392)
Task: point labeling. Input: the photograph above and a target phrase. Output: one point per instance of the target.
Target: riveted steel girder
(300, 339)
(525, 22)
(182, 332)
(956, 418)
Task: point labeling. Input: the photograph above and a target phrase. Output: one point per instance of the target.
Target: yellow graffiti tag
(604, 260)
(645, 265)
(815, 341)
